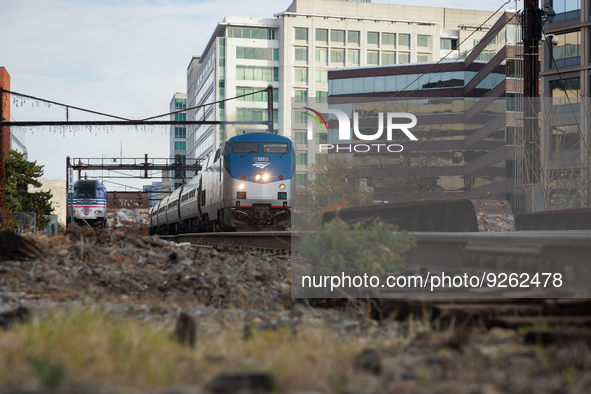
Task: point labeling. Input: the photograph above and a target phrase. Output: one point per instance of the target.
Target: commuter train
(247, 185)
(90, 204)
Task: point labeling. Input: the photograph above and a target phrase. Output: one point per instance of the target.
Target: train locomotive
(90, 203)
(247, 185)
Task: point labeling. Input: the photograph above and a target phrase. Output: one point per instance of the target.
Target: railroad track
(266, 240)
(566, 252)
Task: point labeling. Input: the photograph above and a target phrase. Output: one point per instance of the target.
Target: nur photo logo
(392, 123)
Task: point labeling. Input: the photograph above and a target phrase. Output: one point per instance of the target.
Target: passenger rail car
(90, 203)
(246, 185)
(453, 215)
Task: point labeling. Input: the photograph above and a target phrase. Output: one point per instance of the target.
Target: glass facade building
(466, 115)
(565, 88)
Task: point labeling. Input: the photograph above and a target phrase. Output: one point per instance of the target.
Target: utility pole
(270, 107)
(532, 34)
(533, 20)
(3, 213)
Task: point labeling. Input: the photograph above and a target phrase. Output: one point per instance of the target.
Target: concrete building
(467, 120)
(59, 199)
(565, 89)
(172, 180)
(293, 52)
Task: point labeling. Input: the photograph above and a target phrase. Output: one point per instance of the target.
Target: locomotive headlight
(258, 177)
(282, 186)
(241, 186)
(265, 177)
(98, 212)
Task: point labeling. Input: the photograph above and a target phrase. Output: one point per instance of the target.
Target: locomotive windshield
(245, 147)
(275, 147)
(89, 193)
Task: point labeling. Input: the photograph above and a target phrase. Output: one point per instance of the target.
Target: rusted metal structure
(128, 211)
(456, 215)
(561, 219)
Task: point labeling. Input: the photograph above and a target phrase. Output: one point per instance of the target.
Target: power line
(205, 105)
(62, 105)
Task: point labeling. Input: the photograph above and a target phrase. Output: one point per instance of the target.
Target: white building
(178, 144)
(58, 200)
(293, 52)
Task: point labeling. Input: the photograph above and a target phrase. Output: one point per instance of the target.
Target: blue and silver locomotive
(90, 203)
(248, 184)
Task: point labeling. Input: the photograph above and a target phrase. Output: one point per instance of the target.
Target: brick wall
(5, 84)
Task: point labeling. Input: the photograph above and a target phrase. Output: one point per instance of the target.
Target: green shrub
(373, 248)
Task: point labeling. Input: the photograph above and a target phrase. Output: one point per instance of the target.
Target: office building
(467, 120)
(172, 180)
(293, 51)
(565, 72)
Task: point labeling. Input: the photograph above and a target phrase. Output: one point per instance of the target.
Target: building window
(251, 32)
(337, 56)
(301, 74)
(300, 117)
(353, 57)
(389, 39)
(180, 145)
(566, 9)
(449, 44)
(337, 36)
(404, 40)
(257, 53)
(180, 132)
(388, 58)
(255, 115)
(422, 58)
(302, 158)
(403, 58)
(353, 36)
(301, 33)
(301, 179)
(321, 97)
(182, 117)
(373, 38)
(565, 91)
(372, 58)
(322, 76)
(322, 35)
(321, 138)
(261, 96)
(301, 137)
(180, 103)
(250, 73)
(568, 50)
(301, 54)
(322, 55)
(301, 96)
(422, 41)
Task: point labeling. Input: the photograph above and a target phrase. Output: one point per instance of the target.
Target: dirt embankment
(93, 311)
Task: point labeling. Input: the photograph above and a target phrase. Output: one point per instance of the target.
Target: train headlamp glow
(258, 177)
(98, 212)
(241, 186)
(265, 177)
(282, 186)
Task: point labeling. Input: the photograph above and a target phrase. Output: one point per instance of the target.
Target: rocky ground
(251, 336)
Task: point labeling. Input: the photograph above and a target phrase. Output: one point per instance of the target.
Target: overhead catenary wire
(67, 106)
(205, 105)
